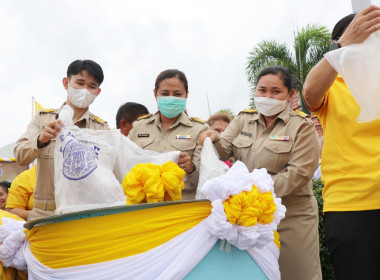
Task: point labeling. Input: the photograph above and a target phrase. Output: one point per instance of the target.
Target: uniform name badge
(246, 133)
(279, 138)
(143, 135)
(183, 136)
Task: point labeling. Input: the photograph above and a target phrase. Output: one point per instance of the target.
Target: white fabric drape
(236, 180)
(172, 260)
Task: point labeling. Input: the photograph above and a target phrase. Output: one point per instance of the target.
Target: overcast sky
(134, 41)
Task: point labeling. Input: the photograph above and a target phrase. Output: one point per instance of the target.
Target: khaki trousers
(299, 254)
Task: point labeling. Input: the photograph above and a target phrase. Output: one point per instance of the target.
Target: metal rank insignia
(279, 138)
(183, 137)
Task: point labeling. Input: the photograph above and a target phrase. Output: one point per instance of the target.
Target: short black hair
(171, 73)
(284, 73)
(90, 66)
(129, 112)
(6, 185)
(341, 26)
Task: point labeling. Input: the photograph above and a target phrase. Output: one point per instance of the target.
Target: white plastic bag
(359, 65)
(130, 154)
(91, 164)
(84, 160)
(211, 166)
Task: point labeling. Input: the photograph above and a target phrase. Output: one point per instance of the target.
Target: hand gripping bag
(211, 166)
(359, 65)
(84, 160)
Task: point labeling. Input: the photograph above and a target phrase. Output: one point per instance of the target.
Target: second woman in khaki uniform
(171, 129)
(286, 144)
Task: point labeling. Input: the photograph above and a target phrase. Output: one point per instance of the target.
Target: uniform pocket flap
(242, 143)
(184, 144)
(144, 142)
(279, 147)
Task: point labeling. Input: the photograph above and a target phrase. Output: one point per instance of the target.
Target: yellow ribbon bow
(154, 183)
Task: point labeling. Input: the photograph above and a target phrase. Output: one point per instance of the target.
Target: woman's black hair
(171, 73)
(6, 185)
(341, 26)
(284, 73)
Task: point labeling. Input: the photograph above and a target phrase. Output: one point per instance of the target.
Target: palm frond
(310, 44)
(265, 54)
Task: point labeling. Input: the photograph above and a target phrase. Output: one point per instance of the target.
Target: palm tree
(310, 44)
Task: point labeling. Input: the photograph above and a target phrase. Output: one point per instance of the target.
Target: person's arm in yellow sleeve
(20, 193)
(322, 76)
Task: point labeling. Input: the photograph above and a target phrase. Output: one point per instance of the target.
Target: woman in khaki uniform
(286, 144)
(171, 129)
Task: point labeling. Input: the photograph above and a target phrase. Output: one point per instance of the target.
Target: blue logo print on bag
(79, 160)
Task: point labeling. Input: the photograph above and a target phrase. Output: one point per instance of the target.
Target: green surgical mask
(171, 106)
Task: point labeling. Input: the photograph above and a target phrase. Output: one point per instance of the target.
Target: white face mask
(80, 97)
(270, 106)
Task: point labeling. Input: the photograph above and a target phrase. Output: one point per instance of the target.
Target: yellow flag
(37, 107)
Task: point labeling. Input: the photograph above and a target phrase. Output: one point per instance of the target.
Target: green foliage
(327, 270)
(265, 54)
(310, 44)
(227, 111)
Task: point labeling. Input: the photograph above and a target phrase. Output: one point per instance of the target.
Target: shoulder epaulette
(99, 120)
(47, 110)
(197, 120)
(302, 114)
(145, 117)
(250, 111)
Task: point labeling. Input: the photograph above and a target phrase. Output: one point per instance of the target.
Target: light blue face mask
(171, 106)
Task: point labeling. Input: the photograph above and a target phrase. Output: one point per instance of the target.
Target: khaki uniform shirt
(147, 132)
(290, 158)
(26, 151)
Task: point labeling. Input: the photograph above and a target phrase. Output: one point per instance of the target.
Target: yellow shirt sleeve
(20, 194)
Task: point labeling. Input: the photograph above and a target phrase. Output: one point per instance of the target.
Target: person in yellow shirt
(350, 158)
(20, 194)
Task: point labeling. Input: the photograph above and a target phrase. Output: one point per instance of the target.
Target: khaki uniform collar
(183, 119)
(86, 116)
(285, 115)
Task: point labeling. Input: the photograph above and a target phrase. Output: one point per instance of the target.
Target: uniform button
(276, 149)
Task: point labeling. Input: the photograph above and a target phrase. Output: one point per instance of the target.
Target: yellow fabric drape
(277, 240)
(11, 274)
(4, 214)
(105, 238)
